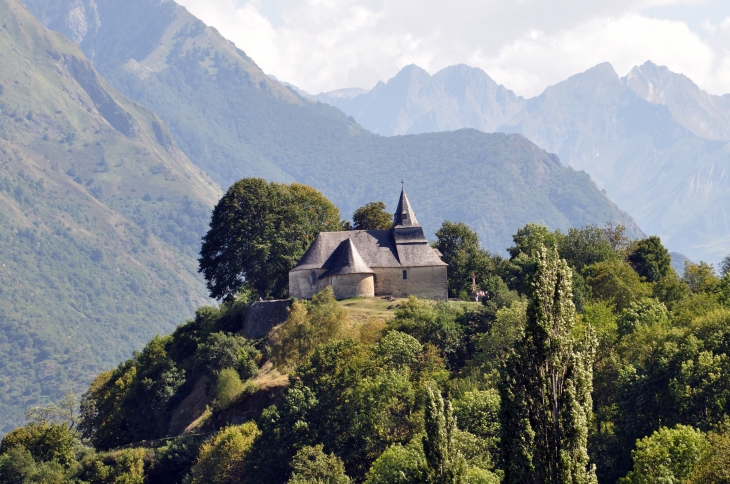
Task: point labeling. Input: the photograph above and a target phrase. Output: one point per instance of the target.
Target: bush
(228, 387)
(225, 350)
(221, 460)
(308, 325)
(45, 442)
(311, 465)
(399, 465)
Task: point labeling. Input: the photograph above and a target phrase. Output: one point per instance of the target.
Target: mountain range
(233, 120)
(655, 141)
(113, 150)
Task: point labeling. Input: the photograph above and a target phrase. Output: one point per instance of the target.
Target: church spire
(404, 215)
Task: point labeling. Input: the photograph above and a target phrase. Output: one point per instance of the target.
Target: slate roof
(404, 215)
(359, 251)
(346, 260)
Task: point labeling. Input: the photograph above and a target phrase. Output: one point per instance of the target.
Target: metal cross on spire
(402, 185)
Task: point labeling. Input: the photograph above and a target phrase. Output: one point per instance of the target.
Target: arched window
(313, 277)
(405, 275)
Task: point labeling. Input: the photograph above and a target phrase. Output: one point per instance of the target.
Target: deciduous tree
(258, 232)
(372, 216)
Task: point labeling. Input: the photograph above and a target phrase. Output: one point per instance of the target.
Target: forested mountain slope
(234, 121)
(100, 222)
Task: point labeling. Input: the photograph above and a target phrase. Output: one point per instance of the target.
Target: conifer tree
(446, 464)
(546, 386)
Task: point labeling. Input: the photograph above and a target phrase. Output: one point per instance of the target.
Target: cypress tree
(546, 386)
(446, 464)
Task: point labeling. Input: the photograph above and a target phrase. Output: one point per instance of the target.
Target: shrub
(228, 387)
(221, 460)
(45, 442)
(311, 465)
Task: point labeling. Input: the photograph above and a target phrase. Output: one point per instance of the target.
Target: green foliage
(495, 345)
(45, 442)
(174, 460)
(646, 312)
(546, 386)
(650, 259)
(222, 459)
(312, 466)
(399, 464)
(258, 232)
(224, 350)
(398, 350)
(615, 282)
(529, 239)
(17, 466)
(700, 277)
(667, 456)
(477, 412)
(135, 401)
(125, 466)
(714, 462)
(431, 322)
(446, 465)
(228, 387)
(467, 261)
(308, 325)
(372, 216)
(584, 247)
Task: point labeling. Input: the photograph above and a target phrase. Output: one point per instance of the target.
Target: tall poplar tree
(546, 386)
(446, 464)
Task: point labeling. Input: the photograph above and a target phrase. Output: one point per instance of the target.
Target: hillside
(100, 225)
(234, 121)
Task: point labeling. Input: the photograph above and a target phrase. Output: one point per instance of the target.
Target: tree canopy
(258, 232)
(372, 216)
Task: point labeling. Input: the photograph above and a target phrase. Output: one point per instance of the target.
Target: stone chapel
(396, 262)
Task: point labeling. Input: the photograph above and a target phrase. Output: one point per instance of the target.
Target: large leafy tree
(372, 216)
(460, 248)
(546, 386)
(258, 232)
(650, 258)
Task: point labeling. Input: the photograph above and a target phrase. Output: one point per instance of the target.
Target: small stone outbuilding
(396, 262)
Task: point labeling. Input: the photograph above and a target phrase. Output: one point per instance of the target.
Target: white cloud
(527, 45)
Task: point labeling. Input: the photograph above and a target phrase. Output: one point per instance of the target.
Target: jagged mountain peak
(704, 114)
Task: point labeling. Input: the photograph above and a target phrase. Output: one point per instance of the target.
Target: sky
(526, 45)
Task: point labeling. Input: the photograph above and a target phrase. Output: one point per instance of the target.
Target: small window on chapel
(405, 275)
(313, 277)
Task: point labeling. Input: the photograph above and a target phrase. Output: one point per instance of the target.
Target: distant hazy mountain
(653, 140)
(414, 102)
(234, 121)
(644, 153)
(100, 220)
